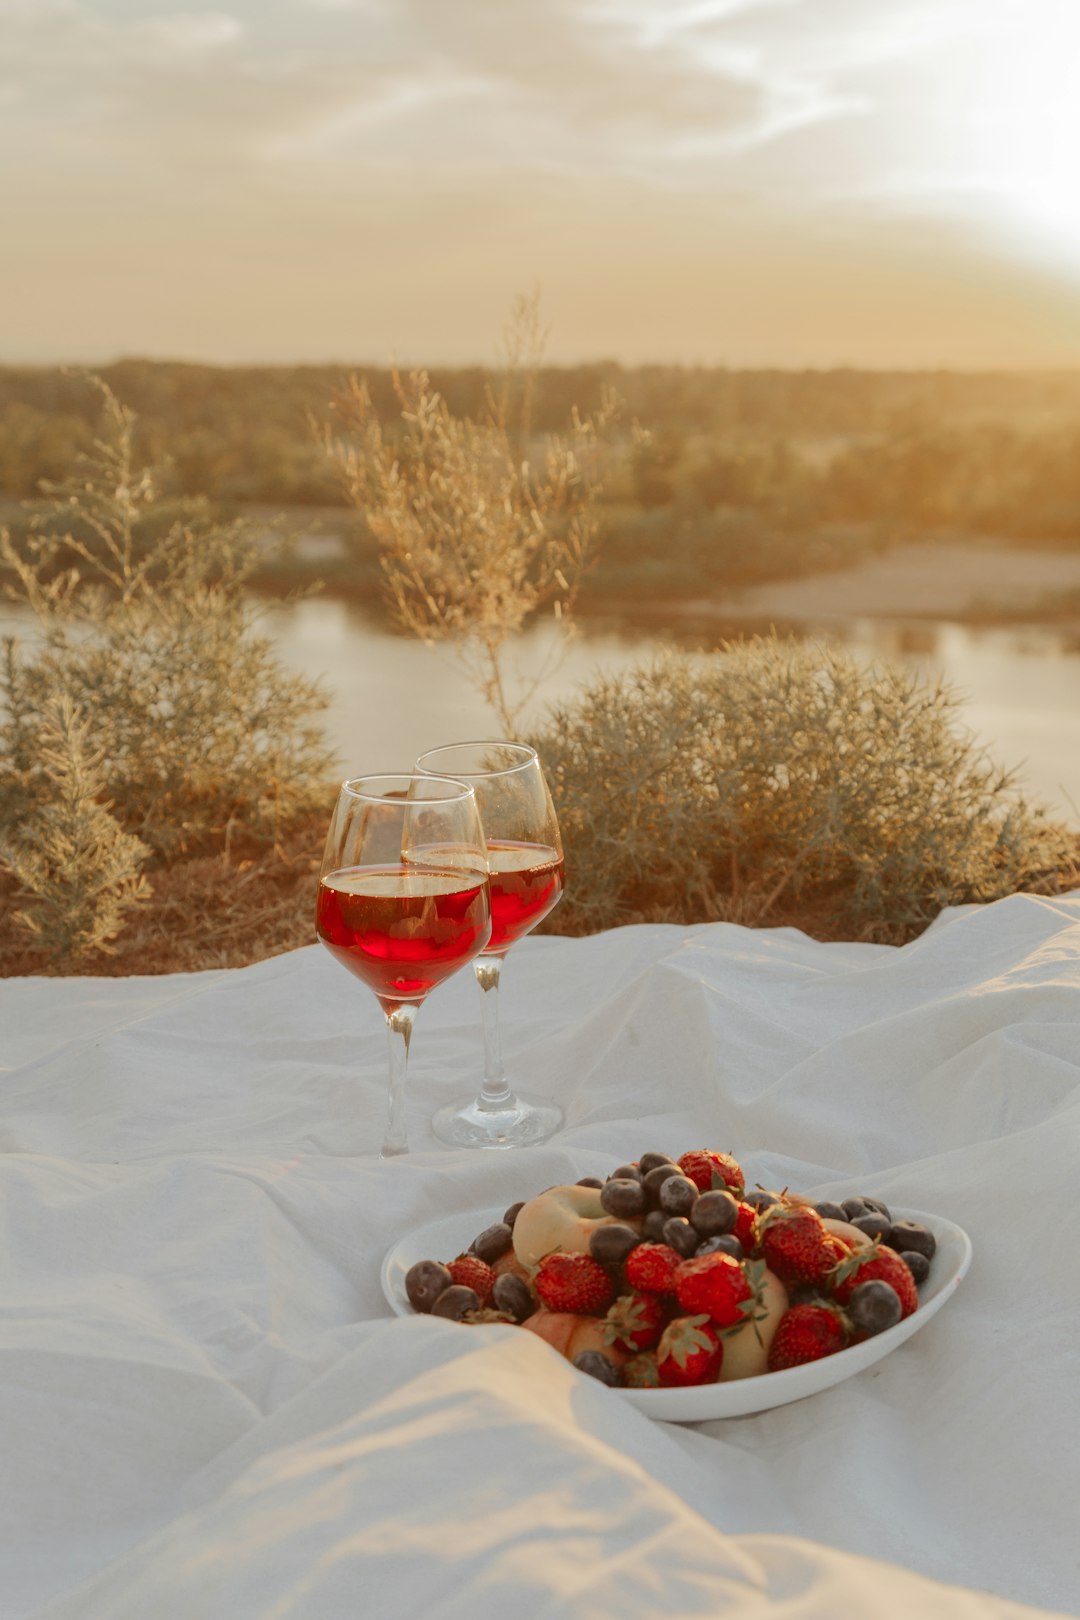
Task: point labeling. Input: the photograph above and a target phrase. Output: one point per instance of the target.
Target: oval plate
(444, 1238)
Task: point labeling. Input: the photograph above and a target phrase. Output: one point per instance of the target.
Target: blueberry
(493, 1242)
(681, 1236)
(653, 1161)
(678, 1195)
(917, 1264)
(876, 1206)
(910, 1235)
(873, 1224)
(512, 1295)
(714, 1213)
(623, 1198)
(654, 1179)
(652, 1229)
(757, 1199)
(853, 1207)
(874, 1307)
(599, 1366)
(424, 1282)
(610, 1245)
(590, 1181)
(830, 1211)
(512, 1214)
(626, 1172)
(455, 1302)
(725, 1243)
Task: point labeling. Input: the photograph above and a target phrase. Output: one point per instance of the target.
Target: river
(391, 697)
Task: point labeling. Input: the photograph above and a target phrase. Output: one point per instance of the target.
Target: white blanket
(204, 1412)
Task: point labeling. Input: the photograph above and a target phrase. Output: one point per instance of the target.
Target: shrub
(147, 641)
(781, 781)
(76, 867)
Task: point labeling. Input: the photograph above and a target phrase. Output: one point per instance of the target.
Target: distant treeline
(745, 474)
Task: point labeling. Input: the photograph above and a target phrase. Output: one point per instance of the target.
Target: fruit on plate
(710, 1170)
(807, 1333)
(573, 1282)
(746, 1348)
(561, 1219)
(636, 1321)
(796, 1244)
(852, 1236)
(880, 1263)
(673, 1273)
(718, 1285)
(654, 1267)
(472, 1272)
(690, 1351)
(571, 1335)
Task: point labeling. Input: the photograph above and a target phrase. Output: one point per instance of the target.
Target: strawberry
(710, 1170)
(635, 1321)
(745, 1226)
(715, 1284)
(795, 1244)
(807, 1333)
(652, 1266)
(641, 1371)
(690, 1352)
(573, 1282)
(472, 1272)
(878, 1263)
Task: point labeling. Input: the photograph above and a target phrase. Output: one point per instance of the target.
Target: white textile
(203, 1411)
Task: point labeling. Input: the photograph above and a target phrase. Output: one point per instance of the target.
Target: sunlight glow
(1028, 127)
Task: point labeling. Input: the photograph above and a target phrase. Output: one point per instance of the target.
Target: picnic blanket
(206, 1409)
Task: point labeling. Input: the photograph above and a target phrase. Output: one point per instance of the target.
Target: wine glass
(525, 866)
(404, 901)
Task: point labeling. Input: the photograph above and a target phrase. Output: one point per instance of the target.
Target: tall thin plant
(482, 526)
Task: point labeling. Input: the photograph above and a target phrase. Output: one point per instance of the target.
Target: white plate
(444, 1238)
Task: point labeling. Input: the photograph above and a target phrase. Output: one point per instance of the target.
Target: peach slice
(570, 1334)
(746, 1353)
(561, 1220)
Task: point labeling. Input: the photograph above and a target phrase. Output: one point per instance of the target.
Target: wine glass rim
(354, 786)
(529, 753)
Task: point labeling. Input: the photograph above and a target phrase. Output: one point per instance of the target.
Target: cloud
(192, 30)
(671, 95)
(615, 144)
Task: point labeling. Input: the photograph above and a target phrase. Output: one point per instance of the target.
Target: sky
(746, 182)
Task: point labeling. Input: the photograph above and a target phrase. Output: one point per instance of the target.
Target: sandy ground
(915, 582)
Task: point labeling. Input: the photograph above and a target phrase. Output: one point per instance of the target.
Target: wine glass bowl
(404, 900)
(526, 874)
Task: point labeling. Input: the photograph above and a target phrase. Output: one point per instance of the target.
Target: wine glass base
(524, 1122)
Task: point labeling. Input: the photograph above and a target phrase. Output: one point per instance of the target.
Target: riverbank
(978, 582)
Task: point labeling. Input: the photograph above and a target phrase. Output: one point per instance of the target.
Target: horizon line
(1068, 369)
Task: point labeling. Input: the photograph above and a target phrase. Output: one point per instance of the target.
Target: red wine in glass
(402, 929)
(526, 883)
(404, 901)
(525, 866)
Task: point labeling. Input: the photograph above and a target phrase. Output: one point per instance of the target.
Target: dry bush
(199, 738)
(781, 781)
(77, 869)
(477, 537)
(221, 910)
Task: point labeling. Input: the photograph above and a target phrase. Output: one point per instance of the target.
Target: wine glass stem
(495, 1092)
(399, 1023)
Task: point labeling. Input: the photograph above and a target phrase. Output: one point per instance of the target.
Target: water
(391, 697)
